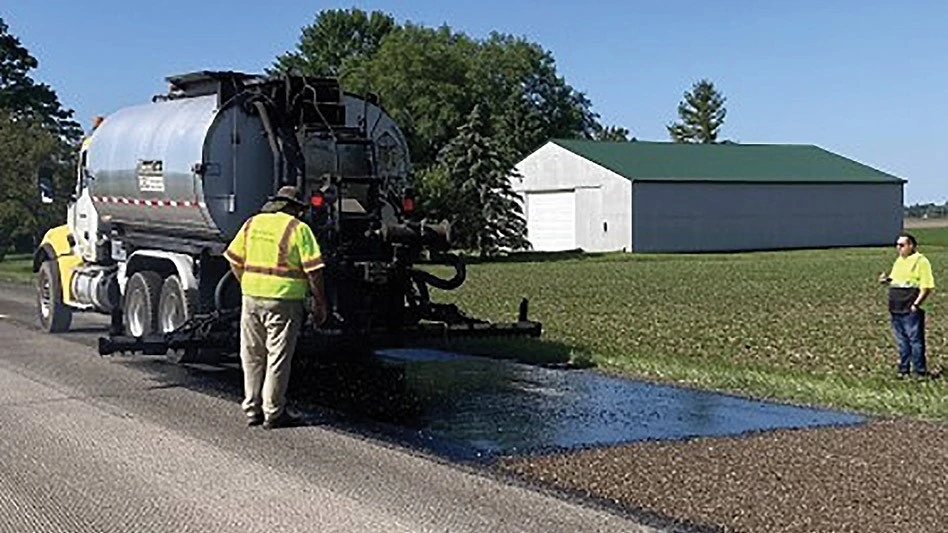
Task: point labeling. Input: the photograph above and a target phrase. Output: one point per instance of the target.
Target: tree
(475, 193)
(611, 134)
(25, 147)
(701, 115)
(528, 101)
(429, 80)
(23, 98)
(335, 36)
(35, 131)
(420, 75)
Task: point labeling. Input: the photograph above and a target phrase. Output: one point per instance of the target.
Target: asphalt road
(101, 445)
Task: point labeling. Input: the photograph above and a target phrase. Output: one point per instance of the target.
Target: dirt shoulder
(889, 475)
(912, 223)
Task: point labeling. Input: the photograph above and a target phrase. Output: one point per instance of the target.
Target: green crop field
(804, 326)
(931, 236)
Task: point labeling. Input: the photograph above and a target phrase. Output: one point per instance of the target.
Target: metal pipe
(272, 139)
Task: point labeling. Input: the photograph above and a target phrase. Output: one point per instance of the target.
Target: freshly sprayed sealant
(474, 408)
(477, 408)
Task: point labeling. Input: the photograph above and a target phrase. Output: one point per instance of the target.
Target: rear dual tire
(175, 306)
(154, 306)
(142, 295)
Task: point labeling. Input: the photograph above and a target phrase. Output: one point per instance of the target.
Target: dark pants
(909, 332)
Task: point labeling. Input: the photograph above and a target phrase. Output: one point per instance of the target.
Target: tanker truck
(162, 188)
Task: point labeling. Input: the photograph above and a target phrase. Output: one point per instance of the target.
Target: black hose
(460, 274)
(219, 290)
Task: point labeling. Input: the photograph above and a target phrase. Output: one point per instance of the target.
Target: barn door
(551, 220)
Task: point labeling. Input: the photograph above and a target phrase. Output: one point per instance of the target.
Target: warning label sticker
(151, 177)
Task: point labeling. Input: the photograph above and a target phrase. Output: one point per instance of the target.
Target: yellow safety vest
(914, 271)
(276, 253)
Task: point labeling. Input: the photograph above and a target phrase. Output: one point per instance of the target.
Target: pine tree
(475, 191)
(611, 134)
(702, 114)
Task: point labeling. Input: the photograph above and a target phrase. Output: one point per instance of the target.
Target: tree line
(928, 210)
(470, 107)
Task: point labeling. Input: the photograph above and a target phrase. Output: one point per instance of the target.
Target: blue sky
(866, 79)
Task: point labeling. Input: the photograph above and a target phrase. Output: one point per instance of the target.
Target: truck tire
(54, 315)
(175, 306)
(142, 294)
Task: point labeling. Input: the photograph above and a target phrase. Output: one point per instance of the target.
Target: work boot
(284, 420)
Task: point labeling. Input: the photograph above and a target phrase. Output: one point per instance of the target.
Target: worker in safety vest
(277, 260)
(910, 282)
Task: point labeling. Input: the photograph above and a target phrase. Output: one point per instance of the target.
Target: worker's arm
(236, 252)
(312, 262)
(926, 282)
(922, 294)
(318, 307)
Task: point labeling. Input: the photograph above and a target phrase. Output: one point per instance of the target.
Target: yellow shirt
(276, 253)
(914, 271)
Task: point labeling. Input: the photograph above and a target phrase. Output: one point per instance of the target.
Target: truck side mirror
(45, 182)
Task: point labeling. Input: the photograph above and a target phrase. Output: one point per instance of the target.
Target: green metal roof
(758, 163)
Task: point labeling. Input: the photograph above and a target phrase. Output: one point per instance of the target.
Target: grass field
(932, 236)
(806, 326)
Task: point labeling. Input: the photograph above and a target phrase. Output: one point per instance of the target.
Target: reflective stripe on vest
(240, 259)
(904, 285)
(283, 252)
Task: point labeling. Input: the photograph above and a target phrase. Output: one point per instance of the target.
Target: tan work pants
(268, 332)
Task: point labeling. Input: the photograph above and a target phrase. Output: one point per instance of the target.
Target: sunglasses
(901, 244)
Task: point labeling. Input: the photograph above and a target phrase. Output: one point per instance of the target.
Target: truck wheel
(176, 305)
(54, 315)
(141, 303)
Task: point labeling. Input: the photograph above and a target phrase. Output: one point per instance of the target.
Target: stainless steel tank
(185, 167)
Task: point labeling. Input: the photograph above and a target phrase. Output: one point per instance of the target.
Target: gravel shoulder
(884, 476)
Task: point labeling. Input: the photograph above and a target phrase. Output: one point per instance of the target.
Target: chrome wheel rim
(45, 294)
(172, 313)
(135, 317)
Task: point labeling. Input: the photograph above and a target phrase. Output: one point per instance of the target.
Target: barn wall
(686, 217)
(603, 221)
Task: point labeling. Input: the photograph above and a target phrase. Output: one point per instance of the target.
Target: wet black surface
(473, 409)
(491, 407)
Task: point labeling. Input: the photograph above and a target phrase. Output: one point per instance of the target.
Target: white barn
(669, 197)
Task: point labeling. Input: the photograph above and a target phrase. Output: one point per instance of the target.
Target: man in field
(910, 282)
